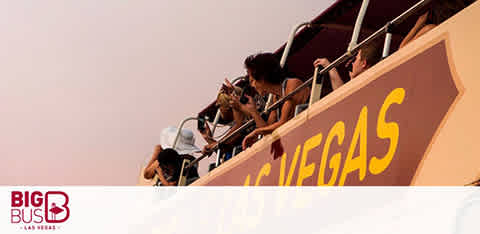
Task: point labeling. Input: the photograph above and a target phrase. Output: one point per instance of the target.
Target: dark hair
(444, 9)
(170, 157)
(372, 53)
(266, 67)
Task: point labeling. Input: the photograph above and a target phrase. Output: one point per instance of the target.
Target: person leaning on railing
(366, 57)
(233, 117)
(440, 11)
(165, 164)
(267, 77)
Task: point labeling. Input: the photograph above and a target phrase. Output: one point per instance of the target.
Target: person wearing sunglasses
(366, 57)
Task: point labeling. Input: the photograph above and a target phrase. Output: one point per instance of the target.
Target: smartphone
(201, 124)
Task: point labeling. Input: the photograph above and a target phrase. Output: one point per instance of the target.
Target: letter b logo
(56, 207)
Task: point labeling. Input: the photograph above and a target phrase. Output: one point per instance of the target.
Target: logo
(34, 210)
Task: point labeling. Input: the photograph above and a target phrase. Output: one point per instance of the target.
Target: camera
(247, 90)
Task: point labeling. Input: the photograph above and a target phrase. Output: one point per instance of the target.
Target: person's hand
(207, 149)
(155, 165)
(207, 134)
(248, 108)
(227, 87)
(421, 21)
(158, 149)
(250, 139)
(321, 61)
(162, 178)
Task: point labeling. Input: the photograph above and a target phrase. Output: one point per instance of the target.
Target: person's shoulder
(293, 83)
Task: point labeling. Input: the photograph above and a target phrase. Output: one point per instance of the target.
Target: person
(267, 77)
(366, 57)
(228, 114)
(166, 162)
(233, 117)
(439, 12)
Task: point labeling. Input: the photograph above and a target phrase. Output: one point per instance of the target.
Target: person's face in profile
(358, 66)
(259, 85)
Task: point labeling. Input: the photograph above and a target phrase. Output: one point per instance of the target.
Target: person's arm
(207, 134)
(288, 107)
(162, 178)
(249, 109)
(335, 78)
(286, 113)
(424, 30)
(421, 21)
(152, 164)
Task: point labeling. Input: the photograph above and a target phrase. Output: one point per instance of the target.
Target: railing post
(215, 121)
(309, 82)
(283, 60)
(388, 40)
(217, 163)
(358, 25)
(180, 130)
(316, 88)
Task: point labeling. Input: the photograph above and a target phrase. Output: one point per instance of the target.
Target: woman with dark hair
(267, 77)
(440, 11)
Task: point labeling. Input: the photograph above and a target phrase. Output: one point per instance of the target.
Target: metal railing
(380, 32)
(286, 51)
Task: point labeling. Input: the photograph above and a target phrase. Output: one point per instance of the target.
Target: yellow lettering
(337, 130)
(360, 162)
(283, 166)
(247, 181)
(265, 171)
(307, 171)
(387, 131)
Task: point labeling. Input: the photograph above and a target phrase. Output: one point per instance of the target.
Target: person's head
(264, 70)
(223, 104)
(366, 57)
(185, 142)
(169, 161)
(444, 9)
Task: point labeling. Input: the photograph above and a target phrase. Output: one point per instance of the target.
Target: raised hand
(321, 61)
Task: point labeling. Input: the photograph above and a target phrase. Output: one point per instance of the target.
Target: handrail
(341, 59)
(286, 50)
(358, 24)
(180, 130)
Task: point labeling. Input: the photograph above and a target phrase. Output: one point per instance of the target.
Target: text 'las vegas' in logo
(35, 210)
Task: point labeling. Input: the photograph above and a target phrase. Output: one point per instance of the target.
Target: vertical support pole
(283, 60)
(316, 91)
(217, 163)
(215, 121)
(180, 130)
(386, 46)
(388, 40)
(358, 24)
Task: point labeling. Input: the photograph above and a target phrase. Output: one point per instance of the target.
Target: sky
(87, 86)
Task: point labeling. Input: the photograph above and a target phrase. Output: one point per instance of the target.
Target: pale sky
(87, 86)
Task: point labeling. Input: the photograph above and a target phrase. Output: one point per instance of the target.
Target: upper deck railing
(353, 48)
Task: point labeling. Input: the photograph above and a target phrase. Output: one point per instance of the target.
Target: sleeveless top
(284, 88)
